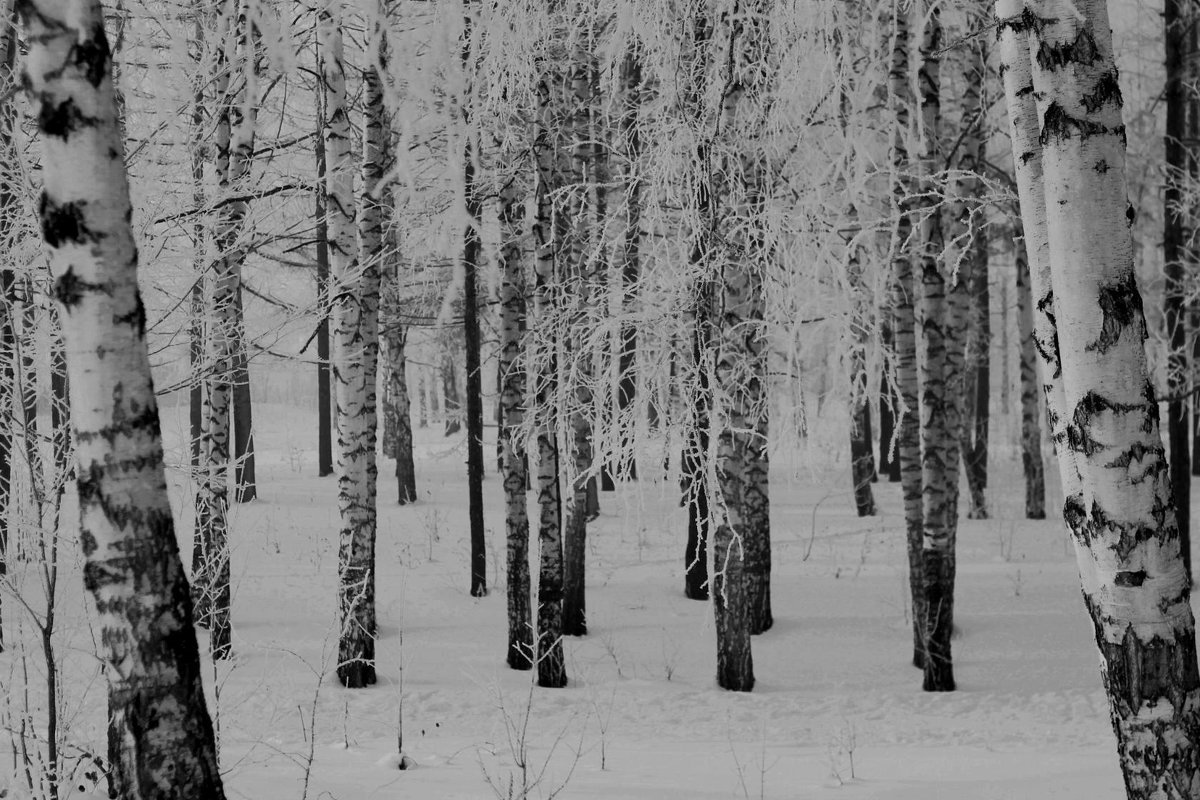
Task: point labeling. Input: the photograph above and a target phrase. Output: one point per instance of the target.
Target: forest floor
(837, 711)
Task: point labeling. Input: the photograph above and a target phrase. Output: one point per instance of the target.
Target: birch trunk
(514, 462)
(355, 341)
(161, 742)
(232, 152)
(903, 295)
(1119, 507)
(629, 262)
(394, 340)
(582, 235)
(742, 544)
(695, 484)
(938, 319)
(551, 667)
(968, 249)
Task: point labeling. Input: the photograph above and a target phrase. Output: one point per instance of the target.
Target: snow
(837, 711)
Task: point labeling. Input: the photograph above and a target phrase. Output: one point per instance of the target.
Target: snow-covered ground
(837, 711)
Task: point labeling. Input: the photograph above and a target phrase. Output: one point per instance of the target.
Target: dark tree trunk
(889, 459)
(9, 209)
(1031, 429)
(862, 462)
(627, 126)
(975, 432)
(452, 405)
(474, 387)
(324, 308)
(1180, 40)
(735, 664)
(406, 471)
(245, 483)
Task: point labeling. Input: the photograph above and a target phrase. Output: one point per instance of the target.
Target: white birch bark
(161, 741)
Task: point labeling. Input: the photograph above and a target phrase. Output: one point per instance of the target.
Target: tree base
(357, 675)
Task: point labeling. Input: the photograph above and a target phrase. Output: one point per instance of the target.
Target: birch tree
(161, 742)
(1070, 157)
(551, 667)
(514, 461)
(355, 340)
(904, 325)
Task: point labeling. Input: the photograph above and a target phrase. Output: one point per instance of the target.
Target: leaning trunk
(1120, 507)
(161, 742)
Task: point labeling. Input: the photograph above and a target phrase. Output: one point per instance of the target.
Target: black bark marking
(1130, 536)
(1079, 437)
(1074, 513)
(68, 289)
(1081, 51)
(1049, 353)
(1058, 125)
(64, 223)
(62, 118)
(1130, 578)
(1106, 90)
(136, 317)
(1102, 166)
(1025, 22)
(93, 56)
(1120, 305)
(1139, 452)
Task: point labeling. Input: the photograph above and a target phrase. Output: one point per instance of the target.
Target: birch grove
(809, 291)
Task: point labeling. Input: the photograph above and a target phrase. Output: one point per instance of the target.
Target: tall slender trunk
(936, 322)
(583, 238)
(196, 332)
(9, 209)
(742, 545)
(161, 742)
(697, 439)
(551, 667)
(1180, 40)
(232, 151)
(356, 347)
(903, 295)
(324, 309)
(1031, 429)
(394, 338)
(245, 479)
(969, 247)
(889, 403)
(514, 462)
(474, 383)
(1118, 490)
(629, 261)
